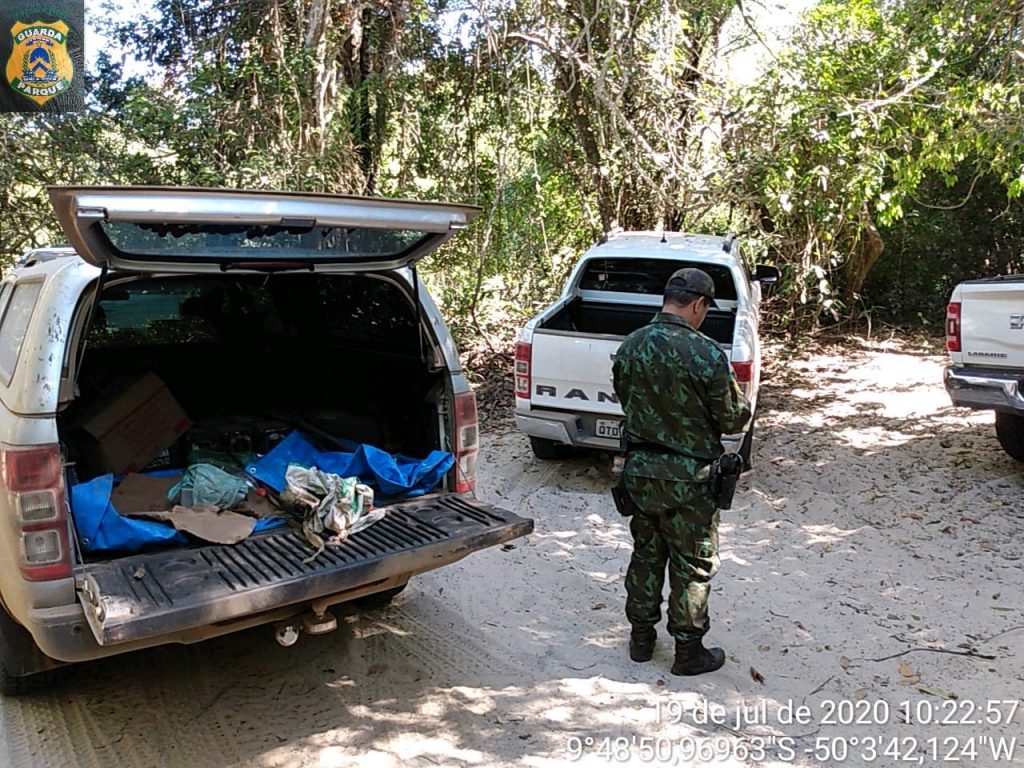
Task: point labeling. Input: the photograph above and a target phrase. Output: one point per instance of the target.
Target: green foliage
(949, 234)
(886, 134)
(870, 100)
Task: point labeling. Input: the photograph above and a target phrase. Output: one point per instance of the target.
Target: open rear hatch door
(167, 229)
(143, 596)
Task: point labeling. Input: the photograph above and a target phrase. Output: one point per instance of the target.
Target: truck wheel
(23, 667)
(747, 447)
(1010, 431)
(549, 450)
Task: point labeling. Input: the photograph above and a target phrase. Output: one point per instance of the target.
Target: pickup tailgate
(154, 594)
(573, 372)
(992, 322)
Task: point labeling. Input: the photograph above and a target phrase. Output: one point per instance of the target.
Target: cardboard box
(135, 427)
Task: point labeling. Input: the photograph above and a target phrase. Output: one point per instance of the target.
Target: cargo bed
(137, 597)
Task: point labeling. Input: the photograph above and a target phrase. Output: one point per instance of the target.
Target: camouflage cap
(690, 280)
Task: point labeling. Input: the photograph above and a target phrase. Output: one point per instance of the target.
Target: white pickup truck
(985, 340)
(563, 359)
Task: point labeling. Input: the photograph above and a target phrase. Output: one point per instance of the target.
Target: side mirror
(766, 275)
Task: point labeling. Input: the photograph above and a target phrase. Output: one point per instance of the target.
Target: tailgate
(154, 594)
(573, 372)
(992, 323)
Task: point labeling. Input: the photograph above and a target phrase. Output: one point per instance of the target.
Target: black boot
(692, 658)
(641, 644)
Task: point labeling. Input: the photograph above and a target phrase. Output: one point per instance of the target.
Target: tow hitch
(318, 621)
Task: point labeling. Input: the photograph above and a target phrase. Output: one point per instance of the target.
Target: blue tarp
(389, 475)
(101, 529)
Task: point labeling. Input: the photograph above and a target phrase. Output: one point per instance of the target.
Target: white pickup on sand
(985, 340)
(563, 363)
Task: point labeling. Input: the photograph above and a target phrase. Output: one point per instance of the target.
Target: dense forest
(876, 154)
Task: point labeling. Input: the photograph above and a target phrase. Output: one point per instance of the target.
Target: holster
(725, 473)
(623, 501)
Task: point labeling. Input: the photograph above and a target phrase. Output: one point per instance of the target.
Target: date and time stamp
(960, 731)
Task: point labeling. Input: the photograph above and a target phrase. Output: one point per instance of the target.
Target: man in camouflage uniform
(679, 396)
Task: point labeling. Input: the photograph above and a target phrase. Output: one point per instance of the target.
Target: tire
(19, 685)
(747, 447)
(23, 667)
(549, 450)
(1010, 432)
(381, 599)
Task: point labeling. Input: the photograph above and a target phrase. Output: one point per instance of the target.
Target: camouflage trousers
(683, 537)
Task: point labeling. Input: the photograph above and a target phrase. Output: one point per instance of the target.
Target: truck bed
(589, 317)
(136, 597)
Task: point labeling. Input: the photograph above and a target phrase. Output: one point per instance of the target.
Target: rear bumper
(567, 428)
(577, 430)
(985, 388)
(63, 633)
(192, 594)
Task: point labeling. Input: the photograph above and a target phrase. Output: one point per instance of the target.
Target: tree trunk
(871, 248)
(569, 79)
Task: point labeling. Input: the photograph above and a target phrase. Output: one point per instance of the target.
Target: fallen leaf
(912, 680)
(844, 662)
(913, 516)
(860, 694)
(946, 529)
(905, 669)
(763, 648)
(758, 677)
(936, 692)
(597, 607)
(988, 546)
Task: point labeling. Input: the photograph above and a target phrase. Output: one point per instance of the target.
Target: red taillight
(744, 370)
(523, 353)
(467, 442)
(953, 327)
(33, 469)
(34, 486)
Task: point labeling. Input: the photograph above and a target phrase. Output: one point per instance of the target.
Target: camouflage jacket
(677, 390)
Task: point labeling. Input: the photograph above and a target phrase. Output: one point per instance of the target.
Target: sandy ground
(870, 601)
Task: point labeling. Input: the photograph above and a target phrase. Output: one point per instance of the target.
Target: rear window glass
(15, 323)
(210, 242)
(648, 276)
(348, 310)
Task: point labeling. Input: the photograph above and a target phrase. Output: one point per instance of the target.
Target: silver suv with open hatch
(242, 316)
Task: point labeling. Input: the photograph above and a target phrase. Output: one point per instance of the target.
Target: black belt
(659, 448)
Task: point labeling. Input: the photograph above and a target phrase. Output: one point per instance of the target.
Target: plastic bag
(332, 505)
(209, 486)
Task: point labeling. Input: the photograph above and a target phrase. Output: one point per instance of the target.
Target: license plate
(609, 428)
